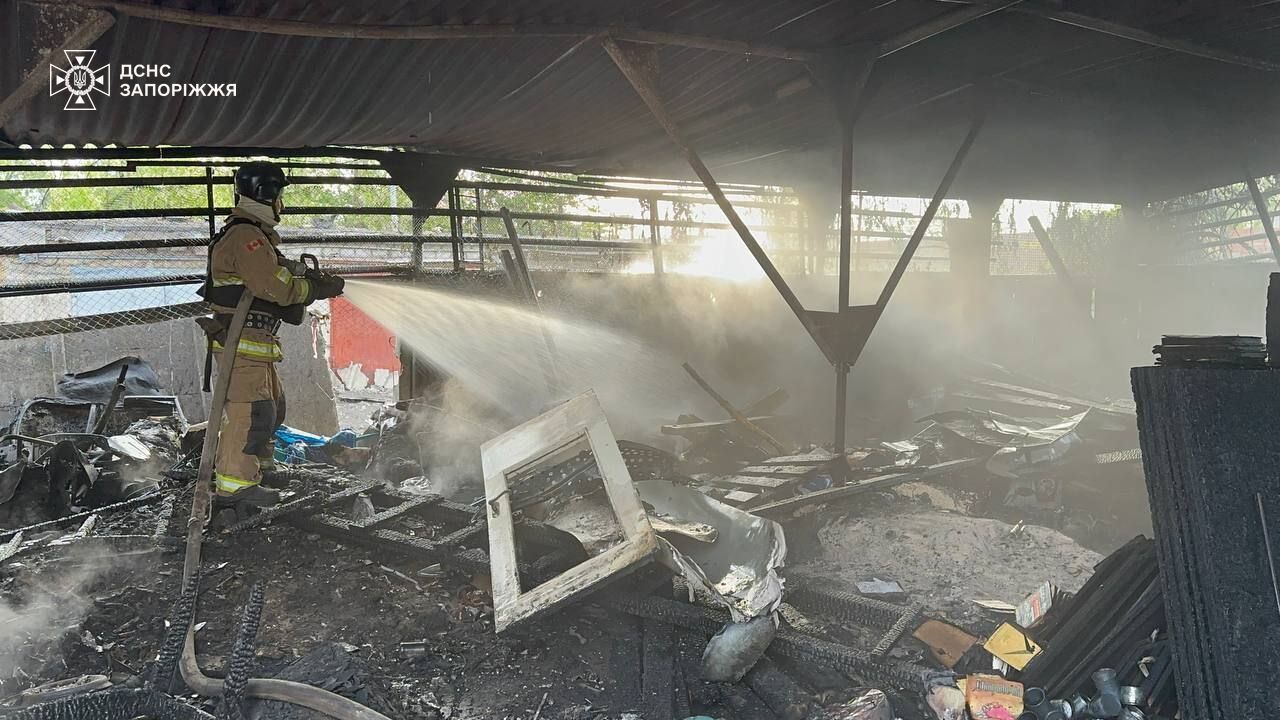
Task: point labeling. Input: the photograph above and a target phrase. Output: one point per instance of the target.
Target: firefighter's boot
(255, 496)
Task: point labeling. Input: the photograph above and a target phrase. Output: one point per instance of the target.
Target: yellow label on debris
(1010, 645)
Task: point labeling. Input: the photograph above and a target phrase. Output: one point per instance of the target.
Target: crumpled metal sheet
(996, 430)
(731, 653)
(740, 569)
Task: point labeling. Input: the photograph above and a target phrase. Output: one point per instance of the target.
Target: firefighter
(245, 255)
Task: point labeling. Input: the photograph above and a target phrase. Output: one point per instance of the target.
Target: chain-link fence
(93, 245)
(100, 245)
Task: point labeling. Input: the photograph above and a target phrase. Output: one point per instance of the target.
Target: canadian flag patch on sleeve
(253, 244)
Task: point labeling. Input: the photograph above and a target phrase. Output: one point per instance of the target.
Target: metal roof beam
(640, 70)
(1264, 214)
(271, 26)
(943, 23)
(1127, 32)
(717, 118)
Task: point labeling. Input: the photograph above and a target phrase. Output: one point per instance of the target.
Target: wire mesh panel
(98, 244)
(1216, 226)
(1084, 236)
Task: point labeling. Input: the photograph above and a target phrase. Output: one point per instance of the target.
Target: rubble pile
(578, 575)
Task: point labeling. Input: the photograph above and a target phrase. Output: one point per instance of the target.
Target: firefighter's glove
(326, 286)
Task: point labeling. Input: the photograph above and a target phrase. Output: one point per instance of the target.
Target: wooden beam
(37, 80)
(641, 72)
(1264, 213)
(297, 28)
(736, 414)
(857, 487)
(681, 429)
(943, 23)
(1055, 260)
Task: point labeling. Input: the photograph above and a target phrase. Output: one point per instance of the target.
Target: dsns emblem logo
(79, 80)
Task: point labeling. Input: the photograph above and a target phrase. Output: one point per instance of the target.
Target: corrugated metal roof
(1074, 113)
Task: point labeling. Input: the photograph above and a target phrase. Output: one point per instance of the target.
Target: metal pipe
(129, 283)
(51, 248)
(455, 229)
(50, 288)
(201, 152)
(479, 230)
(295, 239)
(171, 181)
(236, 164)
(140, 213)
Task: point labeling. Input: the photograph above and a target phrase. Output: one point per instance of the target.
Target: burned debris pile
(559, 571)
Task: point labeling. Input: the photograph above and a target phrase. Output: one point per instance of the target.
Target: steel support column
(1264, 213)
(208, 196)
(845, 79)
(655, 237)
(425, 180)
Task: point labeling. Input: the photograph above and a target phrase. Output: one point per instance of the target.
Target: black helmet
(261, 181)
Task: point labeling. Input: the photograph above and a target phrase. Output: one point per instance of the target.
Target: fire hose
(312, 698)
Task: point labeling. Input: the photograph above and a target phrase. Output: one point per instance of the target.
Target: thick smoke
(50, 601)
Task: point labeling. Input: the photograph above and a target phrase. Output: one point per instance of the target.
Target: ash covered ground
(338, 614)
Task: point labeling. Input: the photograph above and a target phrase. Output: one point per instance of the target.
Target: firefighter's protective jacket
(246, 256)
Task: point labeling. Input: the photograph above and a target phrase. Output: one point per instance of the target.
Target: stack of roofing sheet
(1273, 320)
(1211, 450)
(1232, 350)
(1113, 615)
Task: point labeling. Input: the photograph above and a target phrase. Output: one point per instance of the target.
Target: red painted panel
(358, 338)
